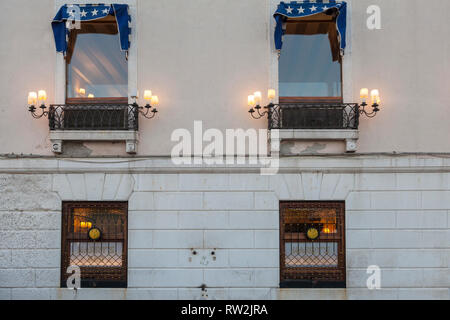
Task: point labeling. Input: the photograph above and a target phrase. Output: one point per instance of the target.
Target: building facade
(353, 208)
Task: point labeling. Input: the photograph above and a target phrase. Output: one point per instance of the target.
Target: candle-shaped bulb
(155, 101)
(148, 95)
(251, 101)
(42, 95)
(364, 94)
(82, 92)
(32, 98)
(90, 95)
(375, 95)
(258, 97)
(271, 93)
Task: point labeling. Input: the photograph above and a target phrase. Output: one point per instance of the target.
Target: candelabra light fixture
(37, 99)
(150, 107)
(254, 102)
(375, 99)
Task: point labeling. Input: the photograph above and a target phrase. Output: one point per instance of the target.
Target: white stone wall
(397, 217)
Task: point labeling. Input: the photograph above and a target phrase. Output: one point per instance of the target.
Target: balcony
(314, 116)
(101, 119)
(314, 121)
(96, 117)
(94, 122)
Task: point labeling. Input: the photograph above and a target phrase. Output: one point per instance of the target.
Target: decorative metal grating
(312, 242)
(94, 117)
(94, 238)
(314, 116)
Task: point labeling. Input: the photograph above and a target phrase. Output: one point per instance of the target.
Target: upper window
(307, 66)
(312, 244)
(94, 238)
(96, 66)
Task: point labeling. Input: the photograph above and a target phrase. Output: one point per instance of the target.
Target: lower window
(94, 238)
(312, 245)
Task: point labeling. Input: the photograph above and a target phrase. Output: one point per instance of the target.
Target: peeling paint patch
(315, 148)
(76, 149)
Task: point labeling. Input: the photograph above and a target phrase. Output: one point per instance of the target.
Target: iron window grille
(305, 261)
(103, 261)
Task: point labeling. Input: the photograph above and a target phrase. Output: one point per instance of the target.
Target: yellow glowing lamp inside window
(84, 224)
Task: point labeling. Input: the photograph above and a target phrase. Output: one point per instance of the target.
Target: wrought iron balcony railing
(95, 117)
(312, 116)
(89, 117)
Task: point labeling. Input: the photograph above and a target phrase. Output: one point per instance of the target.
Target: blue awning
(90, 12)
(307, 8)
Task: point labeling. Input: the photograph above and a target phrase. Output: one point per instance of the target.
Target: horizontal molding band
(420, 163)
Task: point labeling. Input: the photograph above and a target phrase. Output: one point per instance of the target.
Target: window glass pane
(306, 67)
(98, 66)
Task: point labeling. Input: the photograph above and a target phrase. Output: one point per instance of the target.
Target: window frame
(324, 282)
(312, 99)
(65, 250)
(96, 100)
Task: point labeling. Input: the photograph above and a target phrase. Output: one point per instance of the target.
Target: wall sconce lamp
(35, 99)
(254, 102)
(375, 97)
(150, 107)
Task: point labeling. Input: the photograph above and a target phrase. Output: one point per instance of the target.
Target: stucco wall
(397, 217)
(203, 57)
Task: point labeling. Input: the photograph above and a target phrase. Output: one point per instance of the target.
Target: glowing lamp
(251, 101)
(364, 94)
(271, 93)
(42, 95)
(148, 95)
(155, 101)
(32, 98)
(258, 97)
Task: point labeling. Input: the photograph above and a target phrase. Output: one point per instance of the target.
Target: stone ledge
(57, 137)
(349, 136)
(319, 134)
(343, 163)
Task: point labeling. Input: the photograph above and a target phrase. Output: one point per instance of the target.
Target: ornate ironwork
(103, 262)
(94, 116)
(313, 115)
(312, 244)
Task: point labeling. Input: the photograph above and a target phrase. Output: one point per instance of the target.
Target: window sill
(301, 284)
(347, 135)
(57, 137)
